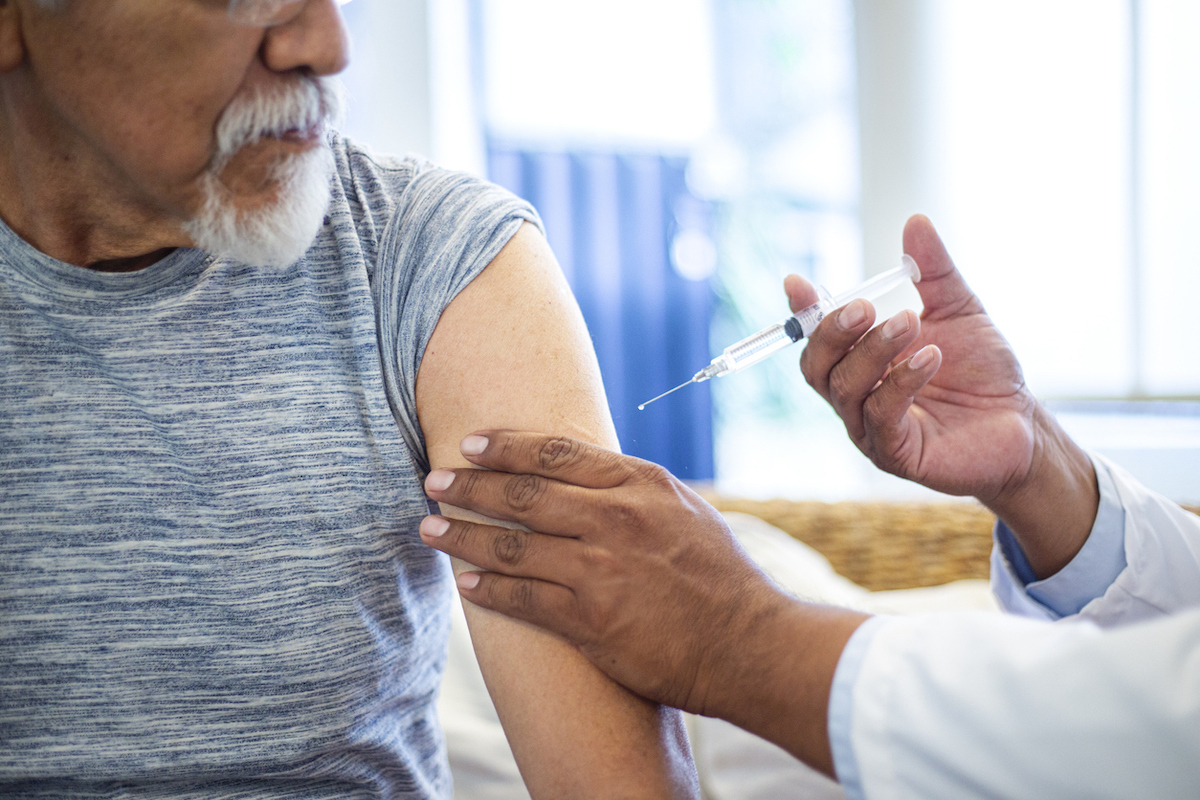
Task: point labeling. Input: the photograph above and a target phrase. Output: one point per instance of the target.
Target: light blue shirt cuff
(841, 706)
(1093, 569)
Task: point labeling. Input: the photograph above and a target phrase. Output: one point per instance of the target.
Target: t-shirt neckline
(166, 276)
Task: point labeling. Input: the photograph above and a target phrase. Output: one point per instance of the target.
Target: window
(1053, 142)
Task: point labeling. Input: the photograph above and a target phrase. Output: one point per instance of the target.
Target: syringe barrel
(809, 318)
(870, 289)
(754, 348)
(770, 340)
(882, 283)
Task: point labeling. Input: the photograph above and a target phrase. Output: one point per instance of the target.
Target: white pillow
(480, 759)
(733, 764)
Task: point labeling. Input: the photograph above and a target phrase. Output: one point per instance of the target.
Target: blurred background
(686, 155)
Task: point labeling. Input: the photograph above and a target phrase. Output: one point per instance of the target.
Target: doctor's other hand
(940, 399)
(631, 566)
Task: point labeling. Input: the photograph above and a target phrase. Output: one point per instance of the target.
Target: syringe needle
(642, 407)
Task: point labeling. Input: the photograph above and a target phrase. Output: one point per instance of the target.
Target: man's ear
(12, 43)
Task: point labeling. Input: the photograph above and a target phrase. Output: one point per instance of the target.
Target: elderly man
(231, 345)
(648, 581)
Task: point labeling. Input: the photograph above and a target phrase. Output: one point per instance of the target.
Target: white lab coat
(1103, 704)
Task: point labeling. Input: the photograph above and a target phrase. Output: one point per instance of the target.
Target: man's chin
(279, 232)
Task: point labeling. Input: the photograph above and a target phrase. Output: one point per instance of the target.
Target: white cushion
(733, 764)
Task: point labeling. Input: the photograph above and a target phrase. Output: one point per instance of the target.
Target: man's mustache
(308, 105)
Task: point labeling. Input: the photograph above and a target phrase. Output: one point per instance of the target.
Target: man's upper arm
(511, 351)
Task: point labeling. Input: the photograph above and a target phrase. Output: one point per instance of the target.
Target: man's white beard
(279, 233)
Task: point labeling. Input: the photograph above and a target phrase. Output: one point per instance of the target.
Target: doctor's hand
(645, 578)
(940, 399)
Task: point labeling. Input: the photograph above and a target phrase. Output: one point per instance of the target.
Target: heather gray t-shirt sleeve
(447, 228)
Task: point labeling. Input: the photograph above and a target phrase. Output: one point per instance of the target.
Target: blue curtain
(610, 219)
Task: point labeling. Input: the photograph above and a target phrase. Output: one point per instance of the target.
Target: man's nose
(315, 40)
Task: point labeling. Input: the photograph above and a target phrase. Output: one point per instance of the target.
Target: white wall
(612, 73)
(410, 81)
(1008, 124)
(898, 122)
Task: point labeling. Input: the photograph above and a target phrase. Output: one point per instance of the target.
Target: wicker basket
(885, 545)
(881, 545)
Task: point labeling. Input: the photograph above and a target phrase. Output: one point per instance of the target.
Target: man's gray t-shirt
(211, 583)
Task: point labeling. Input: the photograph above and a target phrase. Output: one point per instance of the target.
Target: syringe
(769, 340)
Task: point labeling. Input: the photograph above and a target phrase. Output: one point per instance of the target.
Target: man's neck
(69, 204)
(132, 264)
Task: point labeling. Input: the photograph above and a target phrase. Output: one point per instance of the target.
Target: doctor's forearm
(1052, 509)
(776, 678)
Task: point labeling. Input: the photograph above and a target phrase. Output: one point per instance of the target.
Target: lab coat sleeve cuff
(1086, 577)
(841, 706)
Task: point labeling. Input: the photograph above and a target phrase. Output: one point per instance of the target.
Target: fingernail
(896, 326)
(922, 357)
(473, 445)
(439, 480)
(852, 315)
(468, 580)
(434, 527)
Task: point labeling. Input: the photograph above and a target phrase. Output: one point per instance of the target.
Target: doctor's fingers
(886, 408)
(854, 377)
(557, 457)
(546, 605)
(832, 340)
(800, 293)
(516, 553)
(538, 503)
(943, 290)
